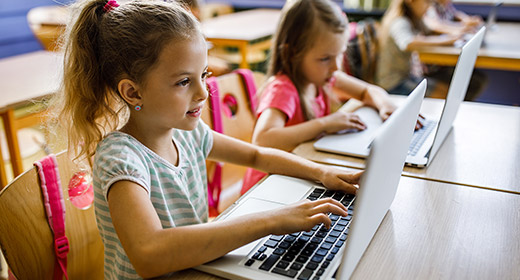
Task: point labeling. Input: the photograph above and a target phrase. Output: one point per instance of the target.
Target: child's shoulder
(118, 142)
(280, 82)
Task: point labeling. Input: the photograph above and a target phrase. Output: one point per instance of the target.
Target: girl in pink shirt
(303, 71)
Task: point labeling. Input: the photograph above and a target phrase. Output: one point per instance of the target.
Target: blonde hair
(397, 8)
(296, 34)
(101, 48)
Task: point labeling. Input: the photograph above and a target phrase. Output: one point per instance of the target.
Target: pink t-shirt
(282, 95)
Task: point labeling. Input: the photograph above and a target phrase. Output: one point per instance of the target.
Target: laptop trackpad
(252, 205)
(282, 189)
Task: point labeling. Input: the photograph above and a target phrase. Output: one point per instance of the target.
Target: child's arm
(432, 40)
(154, 251)
(270, 160)
(270, 129)
(371, 95)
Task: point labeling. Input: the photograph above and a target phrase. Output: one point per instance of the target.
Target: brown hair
(101, 48)
(398, 8)
(296, 34)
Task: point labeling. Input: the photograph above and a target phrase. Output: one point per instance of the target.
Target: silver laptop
(319, 252)
(427, 140)
(492, 16)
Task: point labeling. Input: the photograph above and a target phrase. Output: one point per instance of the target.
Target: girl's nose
(202, 91)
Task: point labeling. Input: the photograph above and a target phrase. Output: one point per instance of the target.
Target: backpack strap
(55, 209)
(249, 81)
(215, 183)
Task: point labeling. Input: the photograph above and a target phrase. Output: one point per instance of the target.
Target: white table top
(248, 25)
(482, 149)
(29, 76)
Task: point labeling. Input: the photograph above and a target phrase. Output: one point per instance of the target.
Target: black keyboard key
(320, 272)
(288, 257)
(296, 266)
(321, 252)
(330, 239)
(338, 196)
(283, 264)
(276, 237)
(289, 238)
(289, 273)
(328, 193)
(317, 259)
(302, 258)
(316, 240)
(321, 234)
(271, 243)
(279, 251)
(249, 262)
(305, 275)
(326, 246)
(311, 265)
(269, 262)
(339, 227)
(284, 245)
(335, 233)
(318, 191)
(262, 249)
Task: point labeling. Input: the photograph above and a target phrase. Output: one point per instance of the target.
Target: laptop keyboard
(420, 136)
(306, 255)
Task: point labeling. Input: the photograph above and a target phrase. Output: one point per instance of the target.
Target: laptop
(492, 16)
(427, 140)
(319, 252)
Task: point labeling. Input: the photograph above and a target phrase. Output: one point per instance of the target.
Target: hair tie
(110, 5)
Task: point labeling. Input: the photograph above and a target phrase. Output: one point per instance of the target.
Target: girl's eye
(324, 59)
(206, 75)
(184, 82)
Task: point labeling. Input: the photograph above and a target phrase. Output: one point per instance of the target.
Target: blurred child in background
(399, 69)
(443, 17)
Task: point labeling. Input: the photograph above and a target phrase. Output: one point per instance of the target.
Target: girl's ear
(129, 91)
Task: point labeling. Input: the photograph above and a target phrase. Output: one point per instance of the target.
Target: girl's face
(418, 7)
(322, 59)
(175, 88)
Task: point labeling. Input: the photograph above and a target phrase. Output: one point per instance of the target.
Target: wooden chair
(362, 51)
(26, 239)
(238, 121)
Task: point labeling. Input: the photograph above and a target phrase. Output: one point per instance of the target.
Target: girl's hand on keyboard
(304, 215)
(337, 179)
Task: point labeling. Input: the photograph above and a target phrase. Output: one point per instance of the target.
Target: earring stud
(137, 107)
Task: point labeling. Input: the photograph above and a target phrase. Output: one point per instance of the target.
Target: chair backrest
(238, 121)
(26, 239)
(362, 51)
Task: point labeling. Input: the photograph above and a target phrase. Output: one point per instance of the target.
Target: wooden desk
(500, 50)
(25, 78)
(440, 231)
(248, 31)
(482, 150)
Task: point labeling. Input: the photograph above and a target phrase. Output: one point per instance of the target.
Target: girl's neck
(160, 142)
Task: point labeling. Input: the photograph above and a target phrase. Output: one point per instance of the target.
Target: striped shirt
(178, 193)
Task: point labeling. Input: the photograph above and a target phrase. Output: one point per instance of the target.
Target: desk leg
(243, 53)
(3, 175)
(12, 141)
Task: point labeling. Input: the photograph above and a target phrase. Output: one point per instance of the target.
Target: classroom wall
(15, 35)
